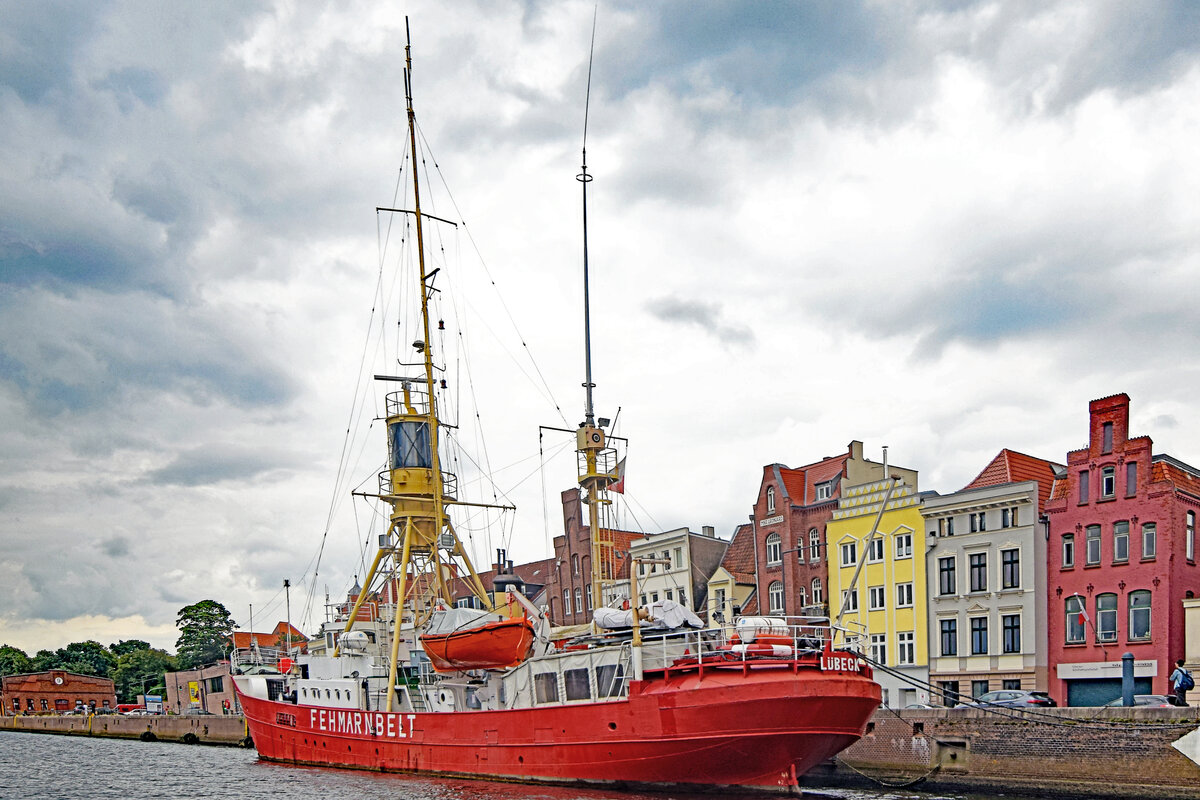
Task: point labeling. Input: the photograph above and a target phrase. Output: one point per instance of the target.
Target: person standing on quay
(1181, 680)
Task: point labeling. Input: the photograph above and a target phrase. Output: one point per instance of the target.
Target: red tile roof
(739, 556)
(1009, 466)
(1183, 480)
(801, 482)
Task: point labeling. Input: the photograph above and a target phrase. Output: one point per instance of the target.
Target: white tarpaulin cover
(663, 614)
(449, 620)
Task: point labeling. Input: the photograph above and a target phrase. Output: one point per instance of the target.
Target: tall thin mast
(584, 179)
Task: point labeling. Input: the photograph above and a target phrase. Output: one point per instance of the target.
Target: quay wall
(217, 730)
(1057, 752)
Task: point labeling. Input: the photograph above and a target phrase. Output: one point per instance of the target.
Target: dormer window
(770, 499)
(825, 490)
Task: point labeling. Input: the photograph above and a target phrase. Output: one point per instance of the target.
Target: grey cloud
(211, 464)
(115, 547)
(1164, 421)
(703, 315)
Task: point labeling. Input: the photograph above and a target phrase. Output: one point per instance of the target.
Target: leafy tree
(142, 672)
(126, 646)
(47, 659)
(13, 661)
(204, 632)
(85, 658)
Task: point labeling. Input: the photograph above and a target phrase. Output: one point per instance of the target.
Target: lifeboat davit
(462, 638)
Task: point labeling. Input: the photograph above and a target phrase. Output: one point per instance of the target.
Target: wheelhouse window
(949, 637)
(775, 597)
(545, 687)
(1075, 632)
(1093, 544)
(947, 583)
(1010, 625)
(1149, 540)
(979, 636)
(1068, 550)
(1139, 615)
(1121, 541)
(979, 572)
(1010, 568)
(577, 684)
(774, 549)
(1106, 617)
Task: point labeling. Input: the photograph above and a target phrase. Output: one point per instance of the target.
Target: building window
(949, 690)
(45, 704)
(849, 553)
(1011, 684)
(1130, 478)
(814, 545)
(770, 499)
(949, 526)
(579, 601)
(875, 598)
(950, 637)
(978, 572)
(1010, 569)
(818, 597)
(904, 595)
(1006, 518)
(1068, 550)
(825, 490)
(1189, 537)
(1121, 541)
(802, 597)
(946, 578)
(1106, 438)
(906, 648)
(1108, 482)
(1139, 615)
(1010, 625)
(979, 689)
(575, 564)
(1093, 544)
(875, 551)
(774, 549)
(879, 648)
(1149, 540)
(588, 597)
(979, 636)
(566, 601)
(775, 597)
(904, 545)
(849, 600)
(683, 597)
(978, 522)
(1084, 488)
(1076, 634)
(1106, 617)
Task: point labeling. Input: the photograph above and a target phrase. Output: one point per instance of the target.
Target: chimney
(709, 531)
(886, 474)
(856, 450)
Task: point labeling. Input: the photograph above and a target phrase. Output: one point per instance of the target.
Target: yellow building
(888, 600)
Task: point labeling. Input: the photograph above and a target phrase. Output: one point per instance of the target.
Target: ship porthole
(520, 759)
(612, 726)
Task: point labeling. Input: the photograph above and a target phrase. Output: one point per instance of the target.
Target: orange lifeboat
(477, 642)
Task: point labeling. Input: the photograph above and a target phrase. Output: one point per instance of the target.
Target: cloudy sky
(941, 227)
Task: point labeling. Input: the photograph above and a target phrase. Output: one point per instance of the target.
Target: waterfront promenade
(219, 730)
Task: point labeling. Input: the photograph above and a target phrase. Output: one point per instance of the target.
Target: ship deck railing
(793, 640)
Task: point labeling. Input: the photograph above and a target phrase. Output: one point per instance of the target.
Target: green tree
(13, 661)
(88, 658)
(47, 659)
(142, 672)
(204, 632)
(126, 646)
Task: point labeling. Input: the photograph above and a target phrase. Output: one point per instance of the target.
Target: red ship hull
(493, 645)
(759, 725)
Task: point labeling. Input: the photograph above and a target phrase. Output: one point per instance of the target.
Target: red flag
(618, 485)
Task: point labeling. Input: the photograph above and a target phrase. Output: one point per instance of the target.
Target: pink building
(1122, 559)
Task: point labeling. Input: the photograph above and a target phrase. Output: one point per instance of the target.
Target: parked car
(1151, 700)
(137, 712)
(196, 712)
(1011, 698)
(919, 705)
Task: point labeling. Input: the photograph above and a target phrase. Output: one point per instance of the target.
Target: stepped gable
(1009, 466)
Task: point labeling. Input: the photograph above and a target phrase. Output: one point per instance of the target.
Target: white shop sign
(1106, 669)
(772, 520)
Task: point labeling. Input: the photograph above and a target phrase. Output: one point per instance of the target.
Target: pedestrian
(1181, 680)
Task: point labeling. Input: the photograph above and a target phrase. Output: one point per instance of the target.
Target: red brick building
(790, 513)
(55, 691)
(1122, 559)
(568, 592)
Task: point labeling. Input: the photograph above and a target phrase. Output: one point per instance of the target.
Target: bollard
(1127, 680)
